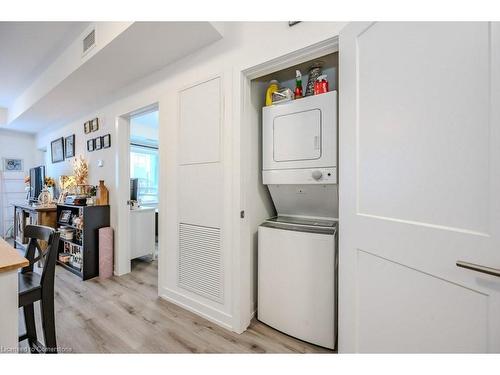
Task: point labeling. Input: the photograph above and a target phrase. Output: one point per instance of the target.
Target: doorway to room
(144, 192)
(138, 243)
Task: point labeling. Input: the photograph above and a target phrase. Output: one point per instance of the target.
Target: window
(144, 166)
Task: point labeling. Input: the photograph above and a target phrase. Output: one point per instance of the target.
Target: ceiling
(141, 49)
(27, 49)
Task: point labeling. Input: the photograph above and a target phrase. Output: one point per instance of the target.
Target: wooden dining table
(10, 262)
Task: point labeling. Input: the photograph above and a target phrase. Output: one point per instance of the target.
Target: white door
(419, 187)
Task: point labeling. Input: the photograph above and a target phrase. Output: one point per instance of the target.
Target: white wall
(19, 146)
(245, 45)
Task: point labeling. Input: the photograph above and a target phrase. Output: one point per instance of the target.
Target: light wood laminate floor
(125, 315)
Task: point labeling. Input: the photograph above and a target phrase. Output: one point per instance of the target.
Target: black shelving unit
(94, 218)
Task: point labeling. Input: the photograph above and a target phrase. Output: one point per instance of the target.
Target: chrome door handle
(478, 268)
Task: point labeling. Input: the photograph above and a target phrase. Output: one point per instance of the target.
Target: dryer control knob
(317, 175)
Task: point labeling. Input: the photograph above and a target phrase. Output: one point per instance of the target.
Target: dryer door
(297, 136)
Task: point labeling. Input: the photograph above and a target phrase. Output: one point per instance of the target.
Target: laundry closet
(290, 184)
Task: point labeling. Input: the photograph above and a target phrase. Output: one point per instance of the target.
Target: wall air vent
(200, 261)
(89, 41)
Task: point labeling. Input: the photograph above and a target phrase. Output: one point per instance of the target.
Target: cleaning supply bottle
(321, 85)
(298, 84)
(273, 86)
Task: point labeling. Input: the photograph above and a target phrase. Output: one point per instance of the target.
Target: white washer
(297, 260)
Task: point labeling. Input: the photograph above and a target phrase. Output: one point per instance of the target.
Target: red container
(321, 85)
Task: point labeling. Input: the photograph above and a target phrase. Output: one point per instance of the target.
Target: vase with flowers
(50, 183)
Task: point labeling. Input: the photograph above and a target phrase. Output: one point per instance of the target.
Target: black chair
(35, 287)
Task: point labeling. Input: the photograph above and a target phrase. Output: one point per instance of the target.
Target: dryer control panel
(300, 176)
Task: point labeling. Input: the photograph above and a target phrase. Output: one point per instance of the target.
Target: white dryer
(299, 141)
(299, 156)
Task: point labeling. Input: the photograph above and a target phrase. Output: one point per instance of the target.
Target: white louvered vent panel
(200, 261)
(89, 41)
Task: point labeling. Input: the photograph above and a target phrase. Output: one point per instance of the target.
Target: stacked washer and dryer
(297, 249)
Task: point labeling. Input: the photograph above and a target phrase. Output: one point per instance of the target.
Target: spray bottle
(298, 84)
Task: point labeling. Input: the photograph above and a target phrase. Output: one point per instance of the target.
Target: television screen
(37, 180)
(134, 187)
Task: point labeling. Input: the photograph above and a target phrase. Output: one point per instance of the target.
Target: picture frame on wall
(106, 141)
(91, 145)
(69, 146)
(94, 125)
(98, 143)
(57, 150)
(13, 165)
(86, 127)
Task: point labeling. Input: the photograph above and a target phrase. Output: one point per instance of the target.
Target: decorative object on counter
(105, 252)
(273, 86)
(94, 125)
(103, 195)
(298, 84)
(13, 165)
(321, 85)
(106, 141)
(91, 145)
(66, 183)
(45, 198)
(50, 184)
(80, 170)
(69, 146)
(57, 150)
(314, 73)
(91, 200)
(98, 143)
(76, 200)
(282, 96)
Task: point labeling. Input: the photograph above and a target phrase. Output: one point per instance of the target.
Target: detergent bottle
(273, 86)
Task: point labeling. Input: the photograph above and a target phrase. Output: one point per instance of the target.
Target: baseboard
(215, 316)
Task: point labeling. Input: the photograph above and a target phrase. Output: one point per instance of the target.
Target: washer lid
(302, 224)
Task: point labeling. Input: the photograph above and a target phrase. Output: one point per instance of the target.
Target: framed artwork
(91, 145)
(106, 141)
(65, 216)
(57, 150)
(13, 165)
(86, 127)
(69, 146)
(98, 143)
(94, 125)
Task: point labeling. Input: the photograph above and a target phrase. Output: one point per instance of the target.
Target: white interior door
(419, 187)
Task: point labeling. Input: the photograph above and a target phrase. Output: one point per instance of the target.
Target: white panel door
(419, 187)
